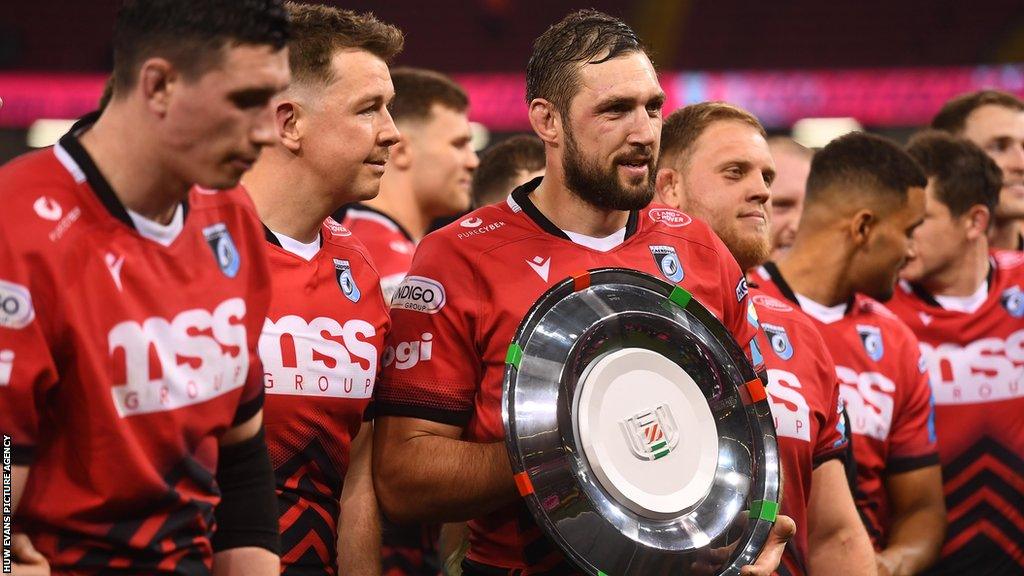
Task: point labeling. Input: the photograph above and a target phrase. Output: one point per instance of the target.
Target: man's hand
(771, 554)
(27, 560)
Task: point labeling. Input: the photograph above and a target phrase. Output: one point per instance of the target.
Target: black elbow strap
(247, 513)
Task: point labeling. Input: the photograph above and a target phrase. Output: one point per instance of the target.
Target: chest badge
(871, 337)
(779, 340)
(347, 283)
(1013, 300)
(224, 251)
(668, 262)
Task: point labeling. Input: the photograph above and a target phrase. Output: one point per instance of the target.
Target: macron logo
(541, 266)
(114, 264)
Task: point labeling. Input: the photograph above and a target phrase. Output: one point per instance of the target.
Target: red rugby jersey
(390, 245)
(321, 347)
(885, 389)
(122, 362)
(470, 285)
(976, 362)
(804, 396)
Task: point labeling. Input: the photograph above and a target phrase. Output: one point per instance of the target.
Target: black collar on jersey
(930, 300)
(1020, 241)
(521, 196)
(359, 206)
(69, 142)
(776, 276)
(273, 239)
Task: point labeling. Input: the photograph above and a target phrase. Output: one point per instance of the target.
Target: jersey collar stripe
(521, 197)
(363, 212)
(930, 300)
(68, 163)
(270, 236)
(76, 153)
(776, 277)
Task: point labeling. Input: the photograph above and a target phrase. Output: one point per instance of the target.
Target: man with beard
(995, 122)
(439, 454)
(966, 305)
(715, 164)
(324, 333)
(792, 164)
(865, 197)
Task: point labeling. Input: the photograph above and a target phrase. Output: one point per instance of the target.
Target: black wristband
(247, 512)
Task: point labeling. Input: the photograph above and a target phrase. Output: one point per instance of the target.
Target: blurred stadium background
(812, 67)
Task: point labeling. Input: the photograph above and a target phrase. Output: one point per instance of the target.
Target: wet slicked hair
(318, 32)
(952, 117)
(583, 37)
(863, 163)
(684, 126)
(964, 174)
(191, 33)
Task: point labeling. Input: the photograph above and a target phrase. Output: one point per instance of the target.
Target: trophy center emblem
(651, 434)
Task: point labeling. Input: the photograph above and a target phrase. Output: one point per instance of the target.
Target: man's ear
(977, 220)
(861, 226)
(158, 79)
(290, 120)
(668, 188)
(546, 121)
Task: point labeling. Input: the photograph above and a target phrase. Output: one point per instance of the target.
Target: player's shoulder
(36, 187)
(660, 220)
(1009, 262)
(479, 231)
(338, 239)
(773, 310)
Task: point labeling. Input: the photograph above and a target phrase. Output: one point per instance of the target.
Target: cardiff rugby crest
(651, 434)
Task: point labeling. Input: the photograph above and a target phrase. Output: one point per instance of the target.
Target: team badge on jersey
(668, 262)
(224, 251)
(651, 434)
(347, 283)
(779, 340)
(1013, 300)
(871, 337)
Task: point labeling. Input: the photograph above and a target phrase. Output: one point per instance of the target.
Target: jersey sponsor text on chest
(192, 358)
(321, 357)
(986, 370)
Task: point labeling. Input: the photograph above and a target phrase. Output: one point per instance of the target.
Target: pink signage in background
(877, 98)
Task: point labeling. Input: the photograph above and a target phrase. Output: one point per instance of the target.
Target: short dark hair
(952, 117)
(865, 162)
(319, 31)
(190, 33)
(582, 37)
(964, 174)
(684, 126)
(417, 90)
(500, 164)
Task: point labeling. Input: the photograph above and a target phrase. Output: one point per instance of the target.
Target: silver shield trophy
(640, 436)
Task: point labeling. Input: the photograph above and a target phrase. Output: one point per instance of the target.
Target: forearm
(433, 478)
(359, 524)
(918, 521)
(246, 561)
(915, 540)
(835, 533)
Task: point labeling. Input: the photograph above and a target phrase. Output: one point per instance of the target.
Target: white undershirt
(157, 232)
(305, 251)
(967, 304)
(600, 244)
(824, 314)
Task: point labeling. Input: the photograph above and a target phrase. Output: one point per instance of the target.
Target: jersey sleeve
(257, 304)
(27, 366)
(912, 439)
(432, 365)
(832, 439)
